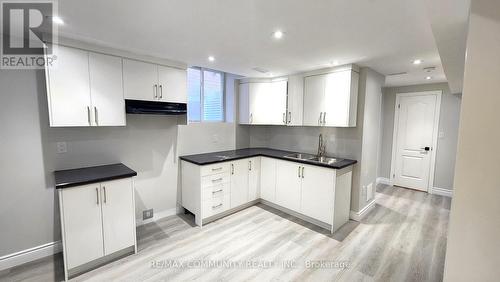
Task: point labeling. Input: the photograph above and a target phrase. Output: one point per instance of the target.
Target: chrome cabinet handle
(284, 118)
(88, 115)
(324, 118)
(217, 168)
(105, 197)
(155, 92)
(97, 195)
(302, 172)
(232, 168)
(215, 192)
(219, 205)
(96, 116)
(289, 117)
(299, 171)
(251, 118)
(216, 180)
(161, 91)
(320, 115)
(249, 165)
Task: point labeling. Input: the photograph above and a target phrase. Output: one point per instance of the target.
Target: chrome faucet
(321, 146)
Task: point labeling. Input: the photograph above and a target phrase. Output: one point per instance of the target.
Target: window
(205, 95)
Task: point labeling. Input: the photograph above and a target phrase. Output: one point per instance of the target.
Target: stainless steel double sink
(313, 158)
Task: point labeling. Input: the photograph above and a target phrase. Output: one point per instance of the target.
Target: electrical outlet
(369, 192)
(62, 147)
(146, 214)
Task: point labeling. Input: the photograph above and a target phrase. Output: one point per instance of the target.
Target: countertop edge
(96, 180)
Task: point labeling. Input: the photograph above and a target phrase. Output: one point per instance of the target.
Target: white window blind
(205, 95)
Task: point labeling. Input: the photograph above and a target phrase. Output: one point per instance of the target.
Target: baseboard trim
(383, 180)
(28, 255)
(441, 192)
(156, 217)
(357, 216)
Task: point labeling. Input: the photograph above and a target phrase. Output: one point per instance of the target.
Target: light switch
(61, 147)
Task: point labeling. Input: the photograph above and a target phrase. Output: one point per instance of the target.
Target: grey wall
(148, 144)
(448, 126)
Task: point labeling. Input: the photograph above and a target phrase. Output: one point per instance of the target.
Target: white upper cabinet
(140, 80)
(295, 100)
(172, 85)
(331, 99)
(150, 82)
(263, 102)
(85, 89)
(68, 88)
(106, 89)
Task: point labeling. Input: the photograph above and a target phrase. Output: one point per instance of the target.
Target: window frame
(202, 95)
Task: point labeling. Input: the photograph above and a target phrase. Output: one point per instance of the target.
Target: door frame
(438, 94)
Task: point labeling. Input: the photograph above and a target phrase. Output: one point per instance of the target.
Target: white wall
(148, 144)
(448, 125)
(473, 251)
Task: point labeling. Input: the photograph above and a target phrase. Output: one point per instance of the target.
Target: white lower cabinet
(318, 194)
(97, 220)
(268, 179)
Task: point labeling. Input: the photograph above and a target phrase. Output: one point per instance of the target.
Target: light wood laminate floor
(402, 239)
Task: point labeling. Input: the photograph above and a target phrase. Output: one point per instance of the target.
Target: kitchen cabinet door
(318, 189)
(106, 89)
(341, 92)
(140, 80)
(244, 103)
(259, 100)
(118, 212)
(314, 93)
(81, 212)
(268, 179)
(68, 88)
(239, 182)
(275, 106)
(288, 185)
(253, 178)
(295, 100)
(172, 85)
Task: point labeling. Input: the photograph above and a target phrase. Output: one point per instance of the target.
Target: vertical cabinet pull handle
(96, 116)
(251, 118)
(324, 118)
(161, 91)
(289, 117)
(155, 90)
(302, 172)
(249, 165)
(320, 117)
(88, 115)
(284, 118)
(299, 171)
(97, 195)
(232, 168)
(105, 197)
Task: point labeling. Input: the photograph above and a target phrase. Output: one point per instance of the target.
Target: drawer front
(216, 191)
(216, 205)
(214, 168)
(215, 179)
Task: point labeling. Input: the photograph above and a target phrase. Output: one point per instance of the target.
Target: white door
(69, 88)
(106, 89)
(415, 131)
(253, 178)
(239, 182)
(268, 179)
(244, 104)
(295, 100)
(337, 97)
(82, 224)
(314, 90)
(172, 85)
(318, 188)
(288, 184)
(118, 213)
(140, 80)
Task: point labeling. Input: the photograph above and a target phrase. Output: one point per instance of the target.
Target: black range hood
(155, 108)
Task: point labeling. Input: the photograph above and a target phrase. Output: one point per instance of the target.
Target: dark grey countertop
(215, 157)
(81, 176)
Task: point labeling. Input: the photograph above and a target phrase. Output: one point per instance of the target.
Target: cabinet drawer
(216, 205)
(219, 190)
(214, 179)
(214, 168)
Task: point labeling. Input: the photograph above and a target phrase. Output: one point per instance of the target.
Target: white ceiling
(382, 34)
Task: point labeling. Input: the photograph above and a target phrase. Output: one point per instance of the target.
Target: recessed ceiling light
(278, 34)
(428, 77)
(211, 58)
(335, 63)
(57, 20)
(417, 62)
